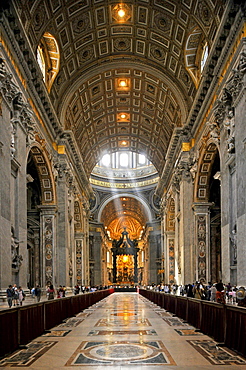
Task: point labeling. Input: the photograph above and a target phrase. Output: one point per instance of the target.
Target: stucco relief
(48, 246)
(201, 248)
(171, 261)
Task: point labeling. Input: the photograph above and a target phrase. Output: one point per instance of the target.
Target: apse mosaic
(121, 353)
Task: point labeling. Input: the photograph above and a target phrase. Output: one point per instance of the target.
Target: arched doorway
(40, 218)
(33, 223)
(208, 215)
(215, 220)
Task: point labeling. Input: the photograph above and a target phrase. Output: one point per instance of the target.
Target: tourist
(50, 292)
(213, 291)
(16, 295)
(38, 293)
(198, 290)
(10, 294)
(60, 292)
(21, 295)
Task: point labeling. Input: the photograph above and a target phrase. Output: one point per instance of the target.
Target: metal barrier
(225, 323)
(20, 325)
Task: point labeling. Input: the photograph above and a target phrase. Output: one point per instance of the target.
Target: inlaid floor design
(119, 322)
(83, 314)
(215, 354)
(188, 332)
(25, 357)
(175, 321)
(124, 331)
(71, 323)
(56, 333)
(121, 353)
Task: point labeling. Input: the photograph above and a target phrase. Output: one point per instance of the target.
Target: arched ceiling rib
(151, 112)
(146, 48)
(124, 212)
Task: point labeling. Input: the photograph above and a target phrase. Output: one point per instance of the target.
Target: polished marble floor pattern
(124, 331)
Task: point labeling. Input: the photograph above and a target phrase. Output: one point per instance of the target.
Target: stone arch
(207, 213)
(48, 57)
(204, 172)
(48, 193)
(148, 211)
(193, 54)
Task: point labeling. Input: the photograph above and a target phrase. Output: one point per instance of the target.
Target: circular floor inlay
(124, 314)
(121, 351)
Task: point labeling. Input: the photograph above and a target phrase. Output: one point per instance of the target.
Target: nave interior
(124, 331)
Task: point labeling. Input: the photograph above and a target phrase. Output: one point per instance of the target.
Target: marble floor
(124, 331)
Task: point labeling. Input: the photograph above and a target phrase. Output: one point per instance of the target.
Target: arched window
(48, 58)
(106, 160)
(40, 59)
(196, 54)
(124, 160)
(204, 56)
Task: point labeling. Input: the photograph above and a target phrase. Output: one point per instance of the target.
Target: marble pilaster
(5, 201)
(37, 259)
(240, 149)
(202, 240)
(152, 258)
(98, 259)
(79, 258)
(170, 260)
(64, 257)
(48, 243)
(186, 228)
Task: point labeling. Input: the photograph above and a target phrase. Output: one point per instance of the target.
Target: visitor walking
(50, 292)
(21, 295)
(16, 295)
(10, 295)
(37, 293)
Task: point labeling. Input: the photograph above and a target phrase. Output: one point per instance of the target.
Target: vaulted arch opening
(48, 58)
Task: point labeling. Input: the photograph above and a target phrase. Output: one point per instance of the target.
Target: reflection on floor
(121, 353)
(124, 331)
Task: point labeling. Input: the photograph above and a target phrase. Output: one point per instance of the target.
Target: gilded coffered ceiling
(128, 77)
(124, 212)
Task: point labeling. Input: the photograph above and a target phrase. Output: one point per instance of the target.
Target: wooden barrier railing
(225, 323)
(20, 325)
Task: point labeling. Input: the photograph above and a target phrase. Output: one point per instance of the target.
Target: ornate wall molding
(45, 175)
(207, 157)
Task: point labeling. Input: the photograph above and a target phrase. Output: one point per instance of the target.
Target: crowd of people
(15, 295)
(86, 289)
(216, 292)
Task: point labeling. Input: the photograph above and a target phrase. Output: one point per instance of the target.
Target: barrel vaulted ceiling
(153, 49)
(124, 212)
